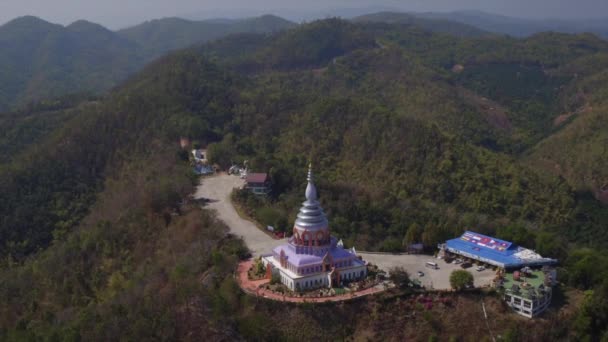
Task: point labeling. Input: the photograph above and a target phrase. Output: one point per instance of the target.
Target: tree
(399, 276)
(459, 279)
(259, 268)
(412, 235)
(268, 216)
(275, 278)
(224, 152)
(430, 236)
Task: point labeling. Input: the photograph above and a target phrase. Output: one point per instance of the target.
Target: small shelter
(258, 183)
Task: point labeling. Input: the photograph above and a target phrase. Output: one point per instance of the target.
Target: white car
(480, 268)
(420, 274)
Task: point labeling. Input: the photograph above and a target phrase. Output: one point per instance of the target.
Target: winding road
(217, 190)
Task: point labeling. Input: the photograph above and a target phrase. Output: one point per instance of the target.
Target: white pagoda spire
(311, 215)
(311, 190)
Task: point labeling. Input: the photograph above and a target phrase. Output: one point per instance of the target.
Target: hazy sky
(121, 13)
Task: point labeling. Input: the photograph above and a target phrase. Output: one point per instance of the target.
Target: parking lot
(436, 279)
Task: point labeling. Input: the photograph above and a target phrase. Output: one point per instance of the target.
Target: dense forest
(414, 135)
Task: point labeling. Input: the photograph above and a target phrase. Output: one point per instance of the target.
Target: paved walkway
(253, 287)
(217, 189)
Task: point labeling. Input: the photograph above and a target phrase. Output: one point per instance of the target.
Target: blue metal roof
(490, 250)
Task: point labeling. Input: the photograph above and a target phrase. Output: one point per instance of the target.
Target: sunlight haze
(117, 14)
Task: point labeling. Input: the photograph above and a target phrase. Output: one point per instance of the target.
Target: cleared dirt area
(217, 190)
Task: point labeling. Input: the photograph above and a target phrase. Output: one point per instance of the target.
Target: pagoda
(312, 258)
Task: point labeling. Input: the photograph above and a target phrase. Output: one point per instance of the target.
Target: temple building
(312, 258)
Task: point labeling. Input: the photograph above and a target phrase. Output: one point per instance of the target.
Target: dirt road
(217, 190)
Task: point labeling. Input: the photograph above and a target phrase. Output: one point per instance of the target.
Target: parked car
(420, 274)
(466, 265)
(480, 268)
(458, 261)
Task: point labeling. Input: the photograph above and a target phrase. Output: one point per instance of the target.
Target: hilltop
(159, 36)
(430, 24)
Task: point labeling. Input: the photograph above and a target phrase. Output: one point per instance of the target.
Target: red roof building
(257, 178)
(258, 183)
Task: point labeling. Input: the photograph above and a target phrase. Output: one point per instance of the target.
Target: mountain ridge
(41, 60)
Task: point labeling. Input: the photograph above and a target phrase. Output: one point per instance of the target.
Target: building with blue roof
(493, 251)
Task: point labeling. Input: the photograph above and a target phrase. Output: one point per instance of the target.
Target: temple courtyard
(216, 190)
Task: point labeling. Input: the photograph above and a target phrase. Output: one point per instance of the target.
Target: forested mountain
(519, 27)
(578, 150)
(430, 24)
(40, 60)
(157, 37)
(408, 130)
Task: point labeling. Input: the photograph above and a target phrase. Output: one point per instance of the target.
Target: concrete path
(217, 189)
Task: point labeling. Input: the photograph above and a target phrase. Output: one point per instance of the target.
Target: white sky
(121, 13)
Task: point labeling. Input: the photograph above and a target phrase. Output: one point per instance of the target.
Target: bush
(459, 279)
(399, 276)
(391, 245)
(258, 268)
(269, 216)
(275, 279)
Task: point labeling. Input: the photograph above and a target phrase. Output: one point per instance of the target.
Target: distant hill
(519, 27)
(41, 60)
(431, 24)
(159, 36)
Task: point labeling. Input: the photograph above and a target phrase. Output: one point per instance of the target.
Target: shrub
(399, 276)
(459, 279)
(275, 279)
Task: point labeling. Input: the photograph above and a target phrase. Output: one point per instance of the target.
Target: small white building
(258, 183)
(529, 303)
(529, 292)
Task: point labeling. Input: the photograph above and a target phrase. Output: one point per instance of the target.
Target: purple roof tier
(337, 253)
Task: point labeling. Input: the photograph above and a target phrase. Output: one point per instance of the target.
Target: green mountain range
(158, 37)
(409, 129)
(40, 60)
(429, 24)
(519, 27)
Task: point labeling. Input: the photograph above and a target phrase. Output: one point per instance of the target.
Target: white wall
(313, 281)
